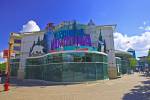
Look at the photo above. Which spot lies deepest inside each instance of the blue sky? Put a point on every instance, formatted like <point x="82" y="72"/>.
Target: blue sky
<point x="129" y="15"/>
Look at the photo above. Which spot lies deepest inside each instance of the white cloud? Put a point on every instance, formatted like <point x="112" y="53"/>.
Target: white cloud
<point x="141" y="43"/>
<point x="1" y="58"/>
<point x="1" y="54"/>
<point x="144" y="22"/>
<point x="145" y="26"/>
<point x="1" y="61"/>
<point x="141" y="27"/>
<point x="30" y="27"/>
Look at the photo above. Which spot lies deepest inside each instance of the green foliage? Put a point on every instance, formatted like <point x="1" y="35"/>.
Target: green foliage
<point x="148" y="59"/>
<point x="149" y="52"/>
<point x="133" y="62"/>
<point x="3" y="66"/>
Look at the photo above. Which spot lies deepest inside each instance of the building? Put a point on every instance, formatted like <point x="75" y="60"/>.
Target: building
<point x="132" y="51"/>
<point x="142" y="62"/>
<point x="69" y="44"/>
<point x="28" y="40"/>
<point x="125" y="63"/>
<point x="15" y="48"/>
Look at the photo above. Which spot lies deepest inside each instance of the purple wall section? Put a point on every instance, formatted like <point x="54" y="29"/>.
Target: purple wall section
<point x="64" y="38"/>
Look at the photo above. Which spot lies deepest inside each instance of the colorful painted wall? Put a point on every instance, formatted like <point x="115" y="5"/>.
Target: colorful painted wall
<point x="73" y="36"/>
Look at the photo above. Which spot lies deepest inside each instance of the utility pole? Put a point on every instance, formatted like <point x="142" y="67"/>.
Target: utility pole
<point x="9" y="55"/>
<point x="6" y="84"/>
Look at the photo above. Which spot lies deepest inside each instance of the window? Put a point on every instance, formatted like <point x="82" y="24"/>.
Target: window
<point x="17" y="41"/>
<point x="17" y="48"/>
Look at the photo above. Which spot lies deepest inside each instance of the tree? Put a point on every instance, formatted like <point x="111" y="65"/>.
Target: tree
<point x="148" y="57"/>
<point x="149" y="52"/>
<point x="3" y="66"/>
<point x="133" y="62"/>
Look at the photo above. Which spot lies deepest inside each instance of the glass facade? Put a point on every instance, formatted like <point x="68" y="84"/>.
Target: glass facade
<point x="118" y="66"/>
<point x="14" y="66"/>
<point x="125" y="66"/>
<point x="74" y="66"/>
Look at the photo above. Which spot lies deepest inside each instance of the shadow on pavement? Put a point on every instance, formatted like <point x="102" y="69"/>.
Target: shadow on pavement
<point x="31" y="83"/>
<point x="140" y="92"/>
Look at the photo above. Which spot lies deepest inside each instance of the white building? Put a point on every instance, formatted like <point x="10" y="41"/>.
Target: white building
<point x="30" y="38"/>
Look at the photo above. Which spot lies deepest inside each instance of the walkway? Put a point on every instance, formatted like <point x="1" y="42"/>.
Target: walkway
<point x="129" y="87"/>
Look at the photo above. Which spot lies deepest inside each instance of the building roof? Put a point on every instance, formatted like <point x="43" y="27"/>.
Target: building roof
<point x="130" y="49"/>
<point x="142" y="57"/>
<point x="70" y="51"/>
<point x="122" y="54"/>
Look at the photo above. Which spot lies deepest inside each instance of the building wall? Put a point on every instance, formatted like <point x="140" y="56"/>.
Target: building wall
<point x="15" y="48"/>
<point x="27" y="42"/>
<point x="33" y="43"/>
<point x="94" y="31"/>
<point x="107" y="33"/>
<point x="132" y="52"/>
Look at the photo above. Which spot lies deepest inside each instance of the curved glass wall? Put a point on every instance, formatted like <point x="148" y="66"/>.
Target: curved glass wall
<point x="74" y="66"/>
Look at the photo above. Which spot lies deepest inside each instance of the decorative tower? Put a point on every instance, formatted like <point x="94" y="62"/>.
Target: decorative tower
<point x="50" y="26"/>
<point x="100" y="42"/>
<point x="91" y="23"/>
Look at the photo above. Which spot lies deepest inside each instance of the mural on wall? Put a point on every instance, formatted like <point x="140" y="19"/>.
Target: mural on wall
<point x="39" y="48"/>
<point x="69" y="36"/>
<point x="101" y="44"/>
<point x="73" y="36"/>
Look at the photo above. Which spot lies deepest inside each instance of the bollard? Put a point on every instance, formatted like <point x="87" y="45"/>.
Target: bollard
<point x="6" y="86"/>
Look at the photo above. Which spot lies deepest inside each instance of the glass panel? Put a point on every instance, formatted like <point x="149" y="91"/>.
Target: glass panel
<point x="75" y="67"/>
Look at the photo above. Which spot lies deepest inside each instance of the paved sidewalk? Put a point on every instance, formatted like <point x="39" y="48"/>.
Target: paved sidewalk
<point x="129" y="87"/>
